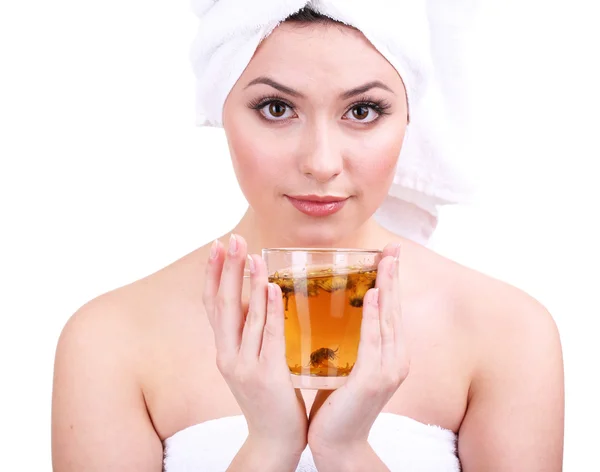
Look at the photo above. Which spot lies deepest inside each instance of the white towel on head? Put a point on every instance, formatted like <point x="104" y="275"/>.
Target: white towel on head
<point x="427" y="174"/>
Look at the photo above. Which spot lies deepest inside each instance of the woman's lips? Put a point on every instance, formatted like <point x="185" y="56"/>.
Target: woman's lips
<point x="317" y="206"/>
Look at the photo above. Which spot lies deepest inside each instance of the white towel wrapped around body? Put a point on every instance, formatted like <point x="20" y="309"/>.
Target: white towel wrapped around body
<point x="427" y="175"/>
<point x="402" y="443"/>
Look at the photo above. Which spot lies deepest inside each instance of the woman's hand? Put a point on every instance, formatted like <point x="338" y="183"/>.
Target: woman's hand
<point x="340" y="421"/>
<point x="251" y="351"/>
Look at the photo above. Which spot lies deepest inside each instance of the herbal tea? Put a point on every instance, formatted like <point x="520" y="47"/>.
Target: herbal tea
<point x="323" y="313"/>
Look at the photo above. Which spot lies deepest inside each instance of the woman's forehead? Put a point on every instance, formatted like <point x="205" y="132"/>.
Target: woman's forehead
<point x="319" y="52"/>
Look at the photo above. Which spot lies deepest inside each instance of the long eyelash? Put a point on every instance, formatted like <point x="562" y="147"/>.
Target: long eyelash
<point x="380" y="106"/>
<point x="261" y="102"/>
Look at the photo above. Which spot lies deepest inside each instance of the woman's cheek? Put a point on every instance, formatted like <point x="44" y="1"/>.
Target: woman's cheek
<point x="258" y="171"/>
<point x="377" y="165"/>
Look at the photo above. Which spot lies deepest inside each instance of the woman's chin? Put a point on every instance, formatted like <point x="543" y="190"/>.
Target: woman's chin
<point x="317" y="236"/>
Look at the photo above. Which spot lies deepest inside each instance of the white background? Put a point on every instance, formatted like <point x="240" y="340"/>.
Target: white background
<point x="104" y="178"/>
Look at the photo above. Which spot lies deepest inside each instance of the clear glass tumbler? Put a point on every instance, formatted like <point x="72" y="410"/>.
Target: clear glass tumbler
<point x="323" y="292"/>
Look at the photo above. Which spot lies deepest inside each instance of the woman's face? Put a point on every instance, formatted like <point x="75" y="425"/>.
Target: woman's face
<point x="315" y="125"/>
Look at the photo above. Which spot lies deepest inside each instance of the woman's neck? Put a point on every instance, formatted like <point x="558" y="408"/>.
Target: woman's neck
<point x="370" y="235"/>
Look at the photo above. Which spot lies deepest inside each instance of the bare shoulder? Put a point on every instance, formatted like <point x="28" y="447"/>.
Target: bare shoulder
<point x="508" y="329"/>
<point x="100" y="418"/>
<point x="502" y="315"/>
<point x="486" y="303"/>
<point x="127" y="324"/>
<point x="515" y="414"/>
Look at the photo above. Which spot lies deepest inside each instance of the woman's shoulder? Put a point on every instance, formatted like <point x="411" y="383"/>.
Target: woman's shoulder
<point x="138" y="318"/>
<point x="493" y="317"/>
<point x="492" y="302"/>
<point x="509" y="341"/>
<point x="113" y="347"/>
<point x="477" y="293"/>
<point x="502" y="322"/>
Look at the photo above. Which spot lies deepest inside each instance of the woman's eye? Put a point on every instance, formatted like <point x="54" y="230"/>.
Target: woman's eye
<point x="362" y="113"/>
<point x="276" y="111"/>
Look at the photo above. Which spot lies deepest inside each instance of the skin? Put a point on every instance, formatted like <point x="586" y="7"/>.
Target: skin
<point x="136" y="365"/>
<point x="319" y="147"/>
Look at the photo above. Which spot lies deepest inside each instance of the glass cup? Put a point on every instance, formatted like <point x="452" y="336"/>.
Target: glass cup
<point x="323" y="292"/>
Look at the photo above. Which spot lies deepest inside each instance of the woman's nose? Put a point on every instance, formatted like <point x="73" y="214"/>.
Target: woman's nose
<point x="321" y="157"/>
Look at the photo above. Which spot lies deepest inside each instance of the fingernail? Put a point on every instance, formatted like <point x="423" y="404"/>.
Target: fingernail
<point x="395" y="266"/>
<point x="271" y="290"/>
<point x="214" y="249"/>
<point x="251" y="264"/>
<point x="233" y="245"/>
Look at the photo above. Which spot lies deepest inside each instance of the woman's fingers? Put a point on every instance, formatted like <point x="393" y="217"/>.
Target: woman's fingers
<point x="380" y="326"/>
<point x="396" y="306"/>
<point x="391" y="250"/>
<point x="257" y="309"/>
<point x="369" y="348"/>
<point x="387" y="282"/>
<point x="229" y="319"/>
<point x="213" y="280"/>
<point x="273" y="340"/>
<point x="393" y="363"/>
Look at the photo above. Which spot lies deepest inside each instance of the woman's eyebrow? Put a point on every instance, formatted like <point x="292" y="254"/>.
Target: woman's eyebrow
<point x="345" y="95"/>
<point x="275" y="85"/>
<point x="365" y="88"/>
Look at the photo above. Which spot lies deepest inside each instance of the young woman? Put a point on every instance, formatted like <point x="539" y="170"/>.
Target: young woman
<point x="163" y="372"/>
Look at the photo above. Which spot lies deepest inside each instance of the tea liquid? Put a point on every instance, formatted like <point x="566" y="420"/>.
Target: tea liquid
<point x="323" y="314"/>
